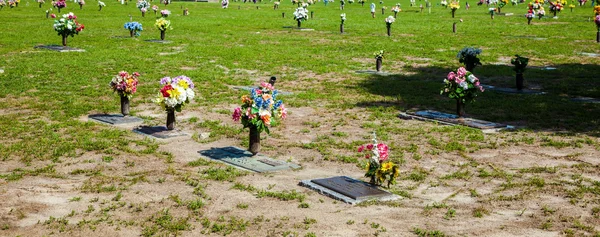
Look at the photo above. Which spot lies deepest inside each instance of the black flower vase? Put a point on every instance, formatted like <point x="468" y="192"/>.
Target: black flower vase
<point x="389" y="29"/>
<point x="254" y="147"/>
<point x="460" y="108"/>
<point x="378" y="62"/>
<point x="299" y="24"/>
<point x="124" y="105"/>
<point x="598" y="37"/>
<point x="520" y="81"/>
<point x="170" y="119"/>
<point x="341" y="28"/>
<point x="162" y="35"/>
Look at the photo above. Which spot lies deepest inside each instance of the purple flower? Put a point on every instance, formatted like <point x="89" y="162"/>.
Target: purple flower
<point x="237" y="114"/>
<point x="165" y="80"/>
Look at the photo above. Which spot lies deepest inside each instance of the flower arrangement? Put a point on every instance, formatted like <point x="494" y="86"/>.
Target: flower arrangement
<point x="166" y="2"/>
<point x="81" y="2"/>
<point x="350" y="1"/>
<point x="343" y="16"/>
<point x="259" y="109"/>
<point x="597" y="21"/>
<point x="2" y="4"/>
<point x="165" y="13"/>
<point x="582" y="2"/>
<point x="492" y="10"/>
<point x="155" y="9"/>
<point x="468" y="56"/>
<point x="379" y="54"/>
<point x="389" y="20"/>
<point x="101" y="4"/>
<point x="396" y="9"/>
<point x="301" y="14"/>
<point x="143" y="5"/>
<point x="502" y="3"/>
<point x="540" y="12"/>
<point x="68" y="25"/>
<point x="125" y="84"/>
<point x="454" y="5"/>
<point x="12" y="3"/>
<point x="535" y="5"/>
<point x="162" y="24"/>
<point x="134" y="28"/>
<point x="444" y="3"/>
<point x="530" y="14"/>
<point x="555" y="7"/>
<point x="462" y="86"/>
<point x="304" y="5"/>
<point x="60" y="4"/>
<point x="520" y="63"/>
<point x="175" y="93"/>
<point x="379" y="168"/>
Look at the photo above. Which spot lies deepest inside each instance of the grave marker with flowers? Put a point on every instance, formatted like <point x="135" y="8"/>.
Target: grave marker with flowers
<point x="60" y="4"/>
<point x="125" y="85"/>
<point x="530" y="14"/>
<point x="468" y="56"/>
<point x="165" y="13"/>
<point x="454" y="5"/>
<point x="555" y="7"/>
<point x="143" y="5"/>
<point x="597" y="21"/>
<point x="388" y="23"/>
<point x="81" y="3"/>
<point x="258" y="111"/>
<point x="101" y="5"/>
<point x="540" y="13"/>
<point x="343" y="18"/>
<point x="134" y="28"/>
<point x="174" y="94"/>
<point x="501" y="4"/>
<point x="300" y="15"/>
<point x="41" y="2"/>
<point x="3" y="3"/>
<point x="379" y="168"/>
<point x="520" y="65"/>
<point x="462" y="86"/>
<point x="378" y="59"/>
<point x="162" y="25"/>
<point x="67" y="26"/>
<point x="396" y="9"/>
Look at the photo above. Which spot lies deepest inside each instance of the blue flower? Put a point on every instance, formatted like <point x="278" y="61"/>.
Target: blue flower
<point x="258" y="101"/>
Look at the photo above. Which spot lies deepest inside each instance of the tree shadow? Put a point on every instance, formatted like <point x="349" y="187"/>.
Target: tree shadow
<point x="419" y="89"/>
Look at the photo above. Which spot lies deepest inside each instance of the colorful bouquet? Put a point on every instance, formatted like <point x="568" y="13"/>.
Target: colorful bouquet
<point x="60" y="4"/>
<point x="155" y="9"/>
<point x="143" y="5"/>
<point x="134" y="27"/>
<point x="343" y="16"/>
<point x="454" y="5"/>
<point x="597" y="10"/>
<point x="555" y="7"/>
<point x="125" y="84"/>
<point x="468" y="56"/>
<point x="502" y="3"/>
<point x="389" y="20"/>
<point x="597" y="21"/>
<point x="396" y="9"/>
<point x="301" y="14"/>
<point x="492" y="10"/>
<point x="260" y="108"/>
<point x="2" y="4"/>
<point x="81" y="2"/>
<point x="530" y="14"/>
<point x="540" y="12"/>
<point x="68" y="25"/>
<point x="462" y="86"/>
<point x="378" y="54"/>
<point x="379" y="168"/>
<point x="535" y="5"/>
<point x="175" y="93"/>
<point x="12" y="3"/>
<point x="165" y="13"/>
<point x="166" y="2"/>
<point x="162" y="24"/>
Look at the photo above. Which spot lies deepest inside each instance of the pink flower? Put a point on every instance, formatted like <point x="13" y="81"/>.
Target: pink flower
<point x="136" y="74"/>
<point x="383" y="151"/>
<point x="267" y="86"/>
<point x="361" y="148"/>
<point x="283" y="111"/>
<point x="250" y="114"/>
<point x="476" y="83"/>
<point x="53" y="15"/>
<point x="370" y="146"/>
<point x="461" y="72"/>
<point x="123" y="74"/>
<point x="481" y="88"/>
<point x="451" y="76"/>
<point x="237" y="114"/>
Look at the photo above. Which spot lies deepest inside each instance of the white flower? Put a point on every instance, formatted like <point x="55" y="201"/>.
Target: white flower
<point x="343" y="15"/>
<point x="464" y="85"/>
<point x="263" y="112"/>
<point x="472" y="78"/>
<point x="390" y="19"/>
<point x="190" y="93"/>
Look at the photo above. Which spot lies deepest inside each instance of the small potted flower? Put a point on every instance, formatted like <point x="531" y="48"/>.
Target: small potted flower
<point x="462" y="86"/>
<point x="134" y="28"/>
<point x="162" y="25"/>
<point x="396" y="9"/>
<point x="60" y="4"/>
<point x="530" y="14"/>
<point x="300" y="15"/>
<point x="81" y="3"/>
<point x="343" y="16"/>
<point x="101" y="5"/>
<point x="468" y="56"/>
<point x="166" y="2"/>
<point x="555" y="7"/>
<point x="126" y="85"/>
<point x="67" y="26"/>
<point x="379" y="168"/>
<point x="540" y="12"/>
<point x="378" y="59"/>
<point x="520" y="65"/>
<point x="258" y="111"/>
<point x="388" y="23"/>
<point x="492" y="11"/>
<point x="165" y="13"/>
<point x="174" y="94"/>
<point x="155" y="9"/>
<point x="454" y="5"/>
<point x="41" y="2"/>
<point x="143" y="5"/>
<point x="597" y="21"/>
<point x="276" y="5"/>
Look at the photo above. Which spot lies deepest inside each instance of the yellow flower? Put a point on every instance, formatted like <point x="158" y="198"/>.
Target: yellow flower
<point x="368" y="166"/>
<point x="174" y="93"/>
<point x="387" y="166"/>
<point x="183" y="84"/>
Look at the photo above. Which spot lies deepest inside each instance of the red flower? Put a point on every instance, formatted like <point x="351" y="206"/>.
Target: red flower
<point x="80" y="27"/>
<point x="370" y="146"/>
<point x="165" y="90"/>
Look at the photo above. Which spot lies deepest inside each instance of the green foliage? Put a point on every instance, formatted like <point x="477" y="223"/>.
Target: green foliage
<point x="520" y="63"/>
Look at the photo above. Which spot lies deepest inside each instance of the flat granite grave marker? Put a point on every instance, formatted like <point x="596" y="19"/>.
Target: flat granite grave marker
<point x="249" y="88"/>
<point x="585" y="99"/>
<point x="451" y="119"/>
<point x="158" y="132"/>
<point x="373" y="72"/>
<point x="59" y="48"/>
<point x="513" y="90"/>
<point x="115" y="119"/>
<point x="241" y="158"/>
<point x="158" y="41"/>
<point x="348" y="190"/>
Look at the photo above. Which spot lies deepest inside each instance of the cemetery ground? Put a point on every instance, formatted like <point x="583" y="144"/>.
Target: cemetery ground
<point x="64" y="175"/>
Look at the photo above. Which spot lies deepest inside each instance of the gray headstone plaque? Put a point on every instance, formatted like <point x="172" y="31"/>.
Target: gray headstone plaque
<point x="513" y="90"/>
<point x="59" y="48"/>
<point x="373" y="72"/>
<point x="451" y="119"/>
<point x="248" y="88"/>
<point x="585" y="99"/>
<point x="159" y="41"/>
<point x="158" y="132"/>
<point x="244" y="159"/>
<point x="115" y="119"/>
<point x="348" y="190"/>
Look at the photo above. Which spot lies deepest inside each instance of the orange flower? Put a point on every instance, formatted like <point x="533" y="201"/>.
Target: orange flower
<point x="266" y="96"/>
<point x="246" y="99"/>
<point x="266" y="119"/>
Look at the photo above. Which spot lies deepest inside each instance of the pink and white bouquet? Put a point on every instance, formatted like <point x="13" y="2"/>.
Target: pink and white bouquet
<point x="597" y="21"/>
<point x="155" y="9"/>
<point x="124" y="83"/>
<point x="2" y="3"/>
<point x="462" y="86"/>
<point x="260" y="107"/>
<point x="379" y="168"/>
<point x="165" y="13"/>
<point x="540" y="12"/>
<point x="530" y="14"/>
<point x="555" y="6"/>
<point x="175" y="93"/>
<point x="143" y="5"/>
<point x="396" y="9"/>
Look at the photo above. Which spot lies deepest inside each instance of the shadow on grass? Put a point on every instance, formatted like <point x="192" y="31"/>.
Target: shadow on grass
<point x="420" y="89"/>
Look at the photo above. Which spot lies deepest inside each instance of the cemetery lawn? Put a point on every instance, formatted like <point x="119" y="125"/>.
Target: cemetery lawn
<point x="62" y="175"/>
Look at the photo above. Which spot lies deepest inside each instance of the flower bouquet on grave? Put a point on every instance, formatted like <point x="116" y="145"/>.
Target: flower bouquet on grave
<point x="555" y="7"/>
<point x="444" y="3"/>
<point x="134" y="28"/>
<point x="143" y="5"/>
<point x="81" y="3"/>
<point x="530" y="14"/>
<point x="258" y="111"/>
<point x="12" y="3"/>
<point x="383" y="10"/>
<point x="514" y="2"/>
<point x="162" y="25"/>
<point x="535" y="5"/>
<point x="492" y="11"/>
<point x="454" y="5"/>
<point x="520" y="65"/>
<point x="155" y="9"/>
<point x="571" y="6"/>
<point x="378" y="59"/>
<point x="165" y="13"/>
<point x="166" y="2"/>
<point x="396" y="9"/>
<point x="388" y="23"/>
<point x="362" y="2"/>
<point x="379" y="169"/>
<point x="174" y="94"/>
<point x="41" y="2"/>
<point x="3" y="3"/>
<point x="60" y="4"/>
<point x="597" y="10"/>
<point x="310" y="2"/>
<point x="468" y="56"/>
<point x="501" y="4"/>
<point x="581" y="2"/>
<point x="276" y="5"/>
<point x="67" y="26"/>
<point x="462" y="86"/>
<point x="540" y="13"/>
<point x="101" y="5"/>
<point x="597" y="21"/>
<point x="304" y="5"/>
<point x="125" y="85"/>
<point x="343" y="19"/>
<point x="300" y="15"/>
